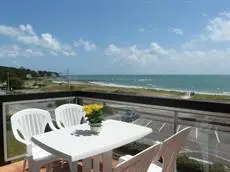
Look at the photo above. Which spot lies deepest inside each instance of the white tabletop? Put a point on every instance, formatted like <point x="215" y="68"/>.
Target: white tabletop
<point x="84" y="144"/>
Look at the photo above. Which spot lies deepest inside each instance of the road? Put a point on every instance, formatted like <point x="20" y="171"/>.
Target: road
<point x="206" y="144"/>
<point x="205" y="141"/>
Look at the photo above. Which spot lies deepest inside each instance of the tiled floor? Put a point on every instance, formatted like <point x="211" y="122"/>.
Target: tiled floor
<point x="17" y="167"/>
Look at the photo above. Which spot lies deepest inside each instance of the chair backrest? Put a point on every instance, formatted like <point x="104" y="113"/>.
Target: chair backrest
<point x="141" y="161"/>
<point x="69" y="115"/>
<point x="29" y="122"/>
<point x="171" y="147"/>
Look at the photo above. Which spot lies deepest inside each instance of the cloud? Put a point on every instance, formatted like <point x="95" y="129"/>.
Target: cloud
<point x="159" y="59"/>
<point x="199" y="41"/>
<point x="204" y="14"/>
<point x="27" y="28"/>
<point x="177" y="31"/>
<point x="142" y="29"/>
<point x="88" y="46"/>
<point x="218" y="29"/>
<point x="16" y="51"/>
<point x="225" y="13"/>
<point x="216" y="32"/>
<point x="26" y="34"/>
<point x="133" y="54"/>
<point x="208" y="52"/>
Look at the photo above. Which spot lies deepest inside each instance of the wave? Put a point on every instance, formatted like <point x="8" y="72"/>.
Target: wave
<point x="133" y="86"/>
<point x="144" y="80"/>
<point x="114" y="85"/>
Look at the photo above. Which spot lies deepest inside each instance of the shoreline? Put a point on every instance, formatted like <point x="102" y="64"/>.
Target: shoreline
<point x="159" y="92"/>
<point x="100" y="83"/>
<point x="61" y="85"/>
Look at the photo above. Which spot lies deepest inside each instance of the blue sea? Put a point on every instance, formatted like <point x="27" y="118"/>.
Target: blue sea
<point x="217" y="84"/>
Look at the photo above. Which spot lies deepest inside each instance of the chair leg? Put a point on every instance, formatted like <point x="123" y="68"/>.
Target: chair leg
<point x="87" y="165"/>
<point x="30" y="165"/>
<point x="49" y="167"/>
<point x="36" y="168"/>
<point x="73" y="166"/>
<point x="24" y="165"/>
<point x="62" y="161"/>
<point x="107" y="161"/>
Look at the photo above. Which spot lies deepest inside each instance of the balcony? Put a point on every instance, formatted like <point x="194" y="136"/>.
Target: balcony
<point x="207" y="145"/>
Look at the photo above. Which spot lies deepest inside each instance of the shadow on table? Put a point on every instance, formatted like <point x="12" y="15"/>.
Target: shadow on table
<point x="83" y="133"/>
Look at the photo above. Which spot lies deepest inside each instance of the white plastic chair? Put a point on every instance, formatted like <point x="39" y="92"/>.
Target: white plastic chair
<point x="27" y="123"/>
<point x="139" y="162"/>
<point x="169" y="151"/>
<point x="69" y="115"/>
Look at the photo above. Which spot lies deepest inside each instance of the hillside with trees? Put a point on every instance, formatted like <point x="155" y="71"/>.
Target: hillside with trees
<point x="17" y="76"/>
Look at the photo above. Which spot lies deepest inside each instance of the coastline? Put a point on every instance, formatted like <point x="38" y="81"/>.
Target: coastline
<point x="57" y="84"/>
<point x="124" y="89"/>
<point x="158" y="89"/>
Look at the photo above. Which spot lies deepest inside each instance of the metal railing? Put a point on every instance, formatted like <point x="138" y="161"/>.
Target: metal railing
<point x="175" y="110"/>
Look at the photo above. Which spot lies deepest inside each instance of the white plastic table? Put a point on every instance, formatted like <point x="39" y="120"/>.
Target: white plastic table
<point x="77" y="143"/>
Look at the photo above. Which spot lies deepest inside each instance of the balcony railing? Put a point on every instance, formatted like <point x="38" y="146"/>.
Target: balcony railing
<point x="207" y="143"/>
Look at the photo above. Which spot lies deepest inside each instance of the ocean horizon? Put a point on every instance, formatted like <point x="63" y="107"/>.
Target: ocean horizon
<point x="216" y="84"/>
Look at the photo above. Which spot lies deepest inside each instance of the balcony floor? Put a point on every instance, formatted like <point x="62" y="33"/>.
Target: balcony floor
<point x="17" y="167"/>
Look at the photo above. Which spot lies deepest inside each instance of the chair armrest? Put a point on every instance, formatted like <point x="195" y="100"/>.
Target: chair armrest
<point x="28" y="143"/>
<point x="124" y="158"/>
<point x="158" y="142"/>
<point x="52" y="127"/>
<point x="29" y="149"/>
<point x="18" y="138"/>
<point x="84" y="120"/>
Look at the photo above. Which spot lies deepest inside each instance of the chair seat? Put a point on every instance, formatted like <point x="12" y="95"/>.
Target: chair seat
<point x="124" y="158"/>
<point x="40" y="154"/>
<point x="154" y="168"/>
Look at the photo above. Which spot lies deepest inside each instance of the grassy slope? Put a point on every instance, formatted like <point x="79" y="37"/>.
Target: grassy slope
<point x="217" y="98"/>
<point x="14" y="148"/>
<point x="136" y="91"/>
<point x="92" y="87"/>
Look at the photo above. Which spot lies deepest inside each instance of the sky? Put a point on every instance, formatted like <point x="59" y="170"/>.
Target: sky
<point x="117" y="37"/>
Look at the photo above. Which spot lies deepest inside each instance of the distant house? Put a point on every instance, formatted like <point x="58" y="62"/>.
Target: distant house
<point x="54" y="75"/>
<point x="3" y="85"/>
<point x="29" y="76"/>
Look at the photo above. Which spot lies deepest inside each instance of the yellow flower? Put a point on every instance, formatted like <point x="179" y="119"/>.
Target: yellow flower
<point x="92" y="108"/>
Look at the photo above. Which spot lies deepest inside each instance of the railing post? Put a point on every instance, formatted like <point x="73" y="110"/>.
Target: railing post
<point x="175" y="121"/>
<point x="75" y="100"/>
<point x="2" y="160"/>
<point x="175" y="131"/>
<point x="79" y="101"/>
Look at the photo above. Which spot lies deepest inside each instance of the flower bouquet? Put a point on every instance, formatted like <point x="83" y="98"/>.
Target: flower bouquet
<point x="94" y="115"/>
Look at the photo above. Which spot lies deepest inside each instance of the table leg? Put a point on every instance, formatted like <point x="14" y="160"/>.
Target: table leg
<point x="87" y="165"/>
<point x="107" y="161"/>
<point x="36" y="168"/>
<point x="49" y="167"/>
<point x="73" y="166"/>
<point x="30" y="164"/>
<point x="24" y="165"/>
<point x="96" y="163"/>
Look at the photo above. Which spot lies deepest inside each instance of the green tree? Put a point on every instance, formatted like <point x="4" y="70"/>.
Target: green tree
<point x="217" y="167"/>
<point x="184" y="164"/>
<point x="16" y="83"/>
